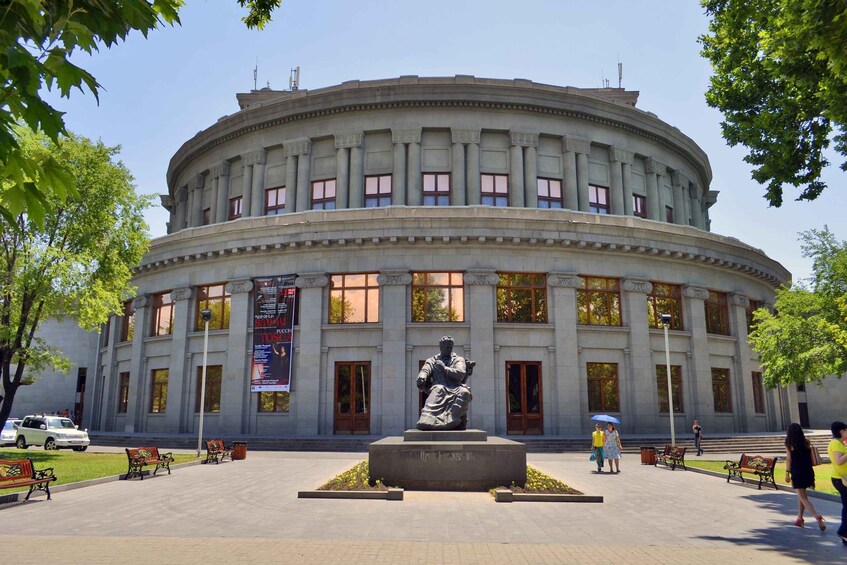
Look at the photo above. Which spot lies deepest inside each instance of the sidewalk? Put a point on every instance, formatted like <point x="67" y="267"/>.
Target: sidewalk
<point x="248" y="511"/>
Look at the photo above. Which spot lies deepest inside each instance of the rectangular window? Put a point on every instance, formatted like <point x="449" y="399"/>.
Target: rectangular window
<point x="277" y="401"/>
<point x="162" y="314"/>
<point x="275" y="201"/>
<point x="603" y="387"/>
<point x="639" y="205"/>
<point x="438" y="297"/>
<point x="669" y="214"/>
<point x="662" y="386"/>
<point x="207" y="217"/>
<point x="158" y="391"/>
<point x="720" y="390"/>
<point x="235" y="207"/>
<point x="550" y="193"/>
<point x="323" y="194"/>
<point x="212" y="401"/>
<point x="598" y="199"/>
<point x="752" y="306"/>
<point x="665" y="299"/>
<point x="378" y="191"/>
<point x="436" y="189"/>
<point x="128" y="322"/>
<point x="758" y="393"/>
<point x="522" y="297"/>
<point x="123" y="392"/>
<point x="599" y="301"/>
<point x="717" y="313"/>
<point x="353" y="299"/>
<point x="494" y="190"/>
<point x="217" y="299"/>
<point x="104" y="333"/>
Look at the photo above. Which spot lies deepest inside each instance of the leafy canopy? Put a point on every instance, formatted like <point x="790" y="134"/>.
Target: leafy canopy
<point x="780" y="73"/>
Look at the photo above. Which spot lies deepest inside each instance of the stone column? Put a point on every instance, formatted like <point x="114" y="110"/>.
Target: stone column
<point x="253" y="199"/>
<point x="696" y="206"/>
<point x="138" y="379"/>
<point x="357" y="178"/>
<point x="531" y="176"/>
<point x="641" y="381"/>
<point x="413" y="180"/>
<point x="246" y="189"/>
<point x="626" y="172"/>
<point x="616" y="196"/>
<point x="342" y="177"/>
<point x="290" y="183"/>
<point x="196" y="217"/>
<point x="569" y="390"/>
<point x="465" y="170"/>
<point x="655" y="207"/>
<point x="220" y="208"/>
<point x="582" y="148"/>
<point x="103" y="414"/>
<point x="487" y="379"/>
<point x="517" y="177"/>
<point x="235" y="385"/>
<point x="457" y="177"/>
<point x="678" y="181"/>
<point x="308" y="372"/>
<point x="396" y="376"/>
<point x="298" y="194"/>
<point x="180" y="410"/>
<point x="569" y="186"/>
<point x="473" y="176"/>
<point x="621" y="164"/>
<point x="345" y="167"/>
<point x="181" y="205"/>
<point x="700" y="378"/>
<point x="742" y="381"/>
<point x="400" y="137"/>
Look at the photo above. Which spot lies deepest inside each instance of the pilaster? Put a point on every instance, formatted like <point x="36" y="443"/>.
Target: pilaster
<point x="678" y="181"/>
<point x="298" y="197"/>
<point x="196" y="215"/>
<point x="457" y="175"/>
<point x="138" y="380"/>
<point x="570" y="391"/>
<point x="743" y="408"/>
<point x="342" y="177"/>
<point x="308" y="374"/>
<point x="641" y="395"/>
<point x="654" y="203"/>
<point x="488" y="406"/>
<point x="291" y="184"/>
<point x="702" y="398"/>
<point x="356" y="199"/>
<point x="235" y="384"/>
<point x="397" y="378"/>
<point x="531" y="176"/>
<point x="180" y="409"/>
<point x="254" y="191"/>
<point x="473" y="177"/>
<point x="220" y="176"/>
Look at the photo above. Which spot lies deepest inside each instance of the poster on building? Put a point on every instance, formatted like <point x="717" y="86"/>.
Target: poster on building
<point x="273" y="331"/>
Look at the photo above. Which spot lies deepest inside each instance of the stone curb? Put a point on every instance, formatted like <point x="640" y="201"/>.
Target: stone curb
<point x="784" y="488"/>
<point x="506" y="495"/>
<point x="390" y="494"/>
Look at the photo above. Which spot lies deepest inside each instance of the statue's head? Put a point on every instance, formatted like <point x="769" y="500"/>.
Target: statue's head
<point x="446" y="345"/>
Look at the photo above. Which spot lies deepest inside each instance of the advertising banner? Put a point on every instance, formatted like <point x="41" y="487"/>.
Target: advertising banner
<point x="273" y="330"/>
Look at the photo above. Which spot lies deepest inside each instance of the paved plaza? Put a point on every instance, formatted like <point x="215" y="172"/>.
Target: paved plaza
<point x="248" y="511"/>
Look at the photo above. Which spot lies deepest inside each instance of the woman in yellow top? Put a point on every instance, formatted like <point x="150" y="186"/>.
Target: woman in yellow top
<point x="838" y="456"/>
<point x="598" y="438"/>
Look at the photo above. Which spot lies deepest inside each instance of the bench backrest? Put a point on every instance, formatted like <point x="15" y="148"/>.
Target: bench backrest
<point x="677" y="451"/>
<point x="667" y="450"/>
<point x="213" y="445"/>
<point x="15" y="470"/>
<point x="756" y="461"/>
<point x="144" y="452"/>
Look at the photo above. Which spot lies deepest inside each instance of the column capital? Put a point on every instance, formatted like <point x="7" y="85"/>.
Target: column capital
<point x="637" y="285"/>
<point x="199" y="181"/>
<point x="739" y="300"/>
<point x="576" y="144"/>
<point x="182" y="194"/>
<point x="219" y="170"/>
<point x="481" y="277"/>
<point x="622" y="155"/>
<point x="524" y="139"/>
<point x="695" y="292"/>
<point x="410" y="135"/>
<point x="695" y="192"/>
<point x="348" y="139"/>
<point x="254" y="158"/>
<point x="140" y="302"/>
<point x="679" y="179"/>
<point x="311" y="280"/>
<point x="653" y="166"/>
<point x="183" y="293"/>
<point x="394" y="278"/>
<point x="564" y="280"/>
<point x="299" y="146"/>
<point x="465" y="135"/>
<point x="239" y="286"/>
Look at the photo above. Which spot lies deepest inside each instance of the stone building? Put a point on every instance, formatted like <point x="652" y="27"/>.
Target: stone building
<point x="545" y="228"/>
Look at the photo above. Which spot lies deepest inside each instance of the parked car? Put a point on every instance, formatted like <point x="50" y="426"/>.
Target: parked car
<point x="53" y="432"/>
<point x="7" y="435"/>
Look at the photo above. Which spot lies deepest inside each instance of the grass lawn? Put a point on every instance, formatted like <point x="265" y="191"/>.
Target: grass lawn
<point x="823" y="473"/>
<point x="71" y="466"/>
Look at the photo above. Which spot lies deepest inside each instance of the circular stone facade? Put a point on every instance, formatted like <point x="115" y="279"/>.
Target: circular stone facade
<point x="545" y="229"/>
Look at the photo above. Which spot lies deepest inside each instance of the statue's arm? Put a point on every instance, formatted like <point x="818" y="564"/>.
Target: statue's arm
<point x="424" y="374"/>
<point x="457" y="370"/>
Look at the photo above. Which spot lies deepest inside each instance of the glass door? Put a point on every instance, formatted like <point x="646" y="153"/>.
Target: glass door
<point x="352" y="398"/>
<point x="523" y="390"/>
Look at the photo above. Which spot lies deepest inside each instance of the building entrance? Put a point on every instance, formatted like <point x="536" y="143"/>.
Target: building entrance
<point x="523" y="390"/>
<point x="352" y="398"/>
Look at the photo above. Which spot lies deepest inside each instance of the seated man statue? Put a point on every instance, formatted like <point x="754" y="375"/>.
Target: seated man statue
<point x="442" y="378"/>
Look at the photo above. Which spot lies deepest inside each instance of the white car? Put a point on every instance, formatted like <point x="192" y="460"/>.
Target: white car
<point x="7" y="435"/>
<point x="53" y="432"/>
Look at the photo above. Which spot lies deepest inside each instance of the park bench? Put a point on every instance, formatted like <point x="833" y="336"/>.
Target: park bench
<point x="21" y="473"/>
<point x="762" y="467"/>
<point x="216" y="451"/>
<point x="140" y="457"/>
<point x="672" y="456"/>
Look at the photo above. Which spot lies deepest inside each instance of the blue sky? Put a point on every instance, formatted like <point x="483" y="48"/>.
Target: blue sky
<point x="157" y="93"/>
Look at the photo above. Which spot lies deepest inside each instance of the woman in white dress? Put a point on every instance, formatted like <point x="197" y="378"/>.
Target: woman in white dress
<point x="612" y="448"/>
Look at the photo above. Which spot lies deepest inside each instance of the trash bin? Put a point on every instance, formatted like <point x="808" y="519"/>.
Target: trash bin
<point x="648" y="455"/>
<point x="239" y="450"/>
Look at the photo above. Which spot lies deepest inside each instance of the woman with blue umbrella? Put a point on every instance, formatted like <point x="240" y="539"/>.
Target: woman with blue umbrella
<point x="612" y="445"/>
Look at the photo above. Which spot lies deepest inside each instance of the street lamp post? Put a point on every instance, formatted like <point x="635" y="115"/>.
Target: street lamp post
<point x="666" y="322"/>
<point x="206" y="315"/>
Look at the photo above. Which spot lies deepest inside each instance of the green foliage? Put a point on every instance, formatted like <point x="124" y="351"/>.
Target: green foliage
<point x="823" y="473"/>
<point x="340" y="309"/>
<point x="780" y="73"/>
<point x="538" y="482"/>
<point x="806" y="339"/>
<point x="355" y="478"/>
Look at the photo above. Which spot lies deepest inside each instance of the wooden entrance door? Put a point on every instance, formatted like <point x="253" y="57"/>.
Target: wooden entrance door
<point x="523" y="398"/>
<point x="352" y="398"/>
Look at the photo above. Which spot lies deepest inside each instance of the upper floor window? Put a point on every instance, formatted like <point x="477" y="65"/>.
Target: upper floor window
<point x="104" y="333"/>
<point x="216" y="299"/>
<point x="549" y="193"/>
<point x="353" y="299"/>
<point x="598" y="199"/>
<point x="639" y="205"/>
<point x="275" y="201"/>
<point x="603" y="392"/>
<point x="599" y="301"/>
<point x="123" y="392"/>
<point x="212" y="398"/>
<point x="207" y="217"/>
<point x="669" y="214"/>
<point x="522" y="297"/>
<point x="378" y="191"/>
<point x="128" y="322"/>
<point x="323" y="194"/>
<point x="162" y="314"/>
<point x="158" y="390"/>
<point x="235" y="207"/>
<point x="438" y="297"/>
<point x="436" y="189"/>
<point x="494" y="190"/>
<point x="752" y="306"/>
<point x="662" y="388"/>
<point x="717" y="313"/>
<point x="721" y="391"/>
<point x="665" y="299"/>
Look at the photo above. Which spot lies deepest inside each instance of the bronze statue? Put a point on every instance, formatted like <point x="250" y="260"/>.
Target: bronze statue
<point x="443" y="379"/>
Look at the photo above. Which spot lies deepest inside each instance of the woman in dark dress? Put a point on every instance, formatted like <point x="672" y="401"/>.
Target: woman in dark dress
<point x="800" y="473"/>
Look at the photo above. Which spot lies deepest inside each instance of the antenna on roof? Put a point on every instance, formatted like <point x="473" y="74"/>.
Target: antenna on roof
<point x="294" y="80"/>
<point x="255" y="73"/>
<point x="620" y="73"/>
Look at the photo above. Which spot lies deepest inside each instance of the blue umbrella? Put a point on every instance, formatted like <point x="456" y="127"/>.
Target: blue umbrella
<point x="605" y="418"/>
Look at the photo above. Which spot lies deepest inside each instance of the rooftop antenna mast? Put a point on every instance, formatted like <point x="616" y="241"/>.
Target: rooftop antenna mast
<point x="255" y="74"/>
<point x="294" y="80"/>
<point x="620" y="74"/>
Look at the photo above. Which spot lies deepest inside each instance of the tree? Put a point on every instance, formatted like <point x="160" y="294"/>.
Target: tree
<point x="37" y="40"/>
<point x="806" y="339"/>
<point x="780" y="71"/>
<point x="77" y="263"/>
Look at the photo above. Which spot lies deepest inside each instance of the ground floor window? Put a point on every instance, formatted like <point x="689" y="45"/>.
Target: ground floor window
<point x="123" y="392"/>
<point x="276" y="401"/>
<point x="212" y="400"/>
<point x="662" y="387"/>
<point x="158" y="391"/>
<point x="603" y="394"/>
<point x="721" y="391"/>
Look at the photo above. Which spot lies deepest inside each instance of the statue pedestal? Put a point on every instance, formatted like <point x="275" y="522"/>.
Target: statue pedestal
<point x="466" y="460"/>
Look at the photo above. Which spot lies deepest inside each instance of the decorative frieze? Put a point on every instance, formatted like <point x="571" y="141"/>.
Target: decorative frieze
<point x="739" y="300"/>
<point x="564" y="280"/>
<point x="239" y="287"/>
<point x="183" y="293"/>
<point x="348" y="139"/>
<point x="300" y="146"/>
<point x="254" y="158"/>
<point x="695" y="292"/>
<point x="412" y="135"/>
<point x="311" y="280"/>
<point x="653" y="166"/>
<point x="465" y="135"/>
<point x="141" y="302"/>
<point x="481" y="277"/>
<point x="219" y="170"/>
<point x="524" y="139"/>
<point x="637" y="285"/>
<point x="576" y="145"/>
<point x="394" y="278"/>
<point x="621" y="155"/>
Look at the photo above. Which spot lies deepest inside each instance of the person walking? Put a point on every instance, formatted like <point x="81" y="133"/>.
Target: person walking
<point x="838" y="457"/>
<point x="598" y="439"/>
<point x="800" y="473"/>
<point x="698" y="435"/>
<point x="612" y="447"/>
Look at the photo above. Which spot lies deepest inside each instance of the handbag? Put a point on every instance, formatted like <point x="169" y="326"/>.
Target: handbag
<point x="816" y="456"/>
<point x="593" y="457"/>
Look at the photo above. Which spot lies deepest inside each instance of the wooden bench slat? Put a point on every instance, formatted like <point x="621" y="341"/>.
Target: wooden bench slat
<point x="22" y="473"/>
<point x="140" y="457"/>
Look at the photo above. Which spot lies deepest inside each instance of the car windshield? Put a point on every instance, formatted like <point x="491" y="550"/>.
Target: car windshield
<point x="9" y="425"/>
<point x="59" y="423"/>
